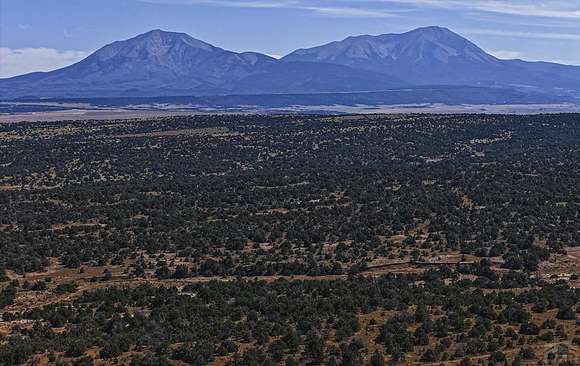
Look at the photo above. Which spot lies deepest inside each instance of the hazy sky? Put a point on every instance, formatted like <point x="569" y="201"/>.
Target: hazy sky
<point x="46" y="34"/>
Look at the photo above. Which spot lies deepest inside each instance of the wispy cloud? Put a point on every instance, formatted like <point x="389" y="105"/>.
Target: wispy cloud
<point x="348" y="12"/>
<point x="18" y="61"/>
<point x="557" y="9"/>
<point x="506" y="55"/>
<point x="532" y="35"/>
<point x="318" y="8"/>
<point x="550" y="9"/>
<point x="511" y="55"/>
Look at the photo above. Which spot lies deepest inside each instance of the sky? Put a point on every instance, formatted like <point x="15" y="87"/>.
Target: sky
<point x="42" y="35"/>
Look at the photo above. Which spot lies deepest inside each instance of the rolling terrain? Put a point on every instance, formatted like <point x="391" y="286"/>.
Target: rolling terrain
<point x="294" y="240"/>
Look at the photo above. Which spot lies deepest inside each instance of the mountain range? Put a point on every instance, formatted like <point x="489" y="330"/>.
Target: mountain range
<point x="159" y="63"/>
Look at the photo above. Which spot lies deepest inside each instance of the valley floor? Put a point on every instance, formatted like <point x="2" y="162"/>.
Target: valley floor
<point x="54" y="112"/>
<point x="360" y="239"/>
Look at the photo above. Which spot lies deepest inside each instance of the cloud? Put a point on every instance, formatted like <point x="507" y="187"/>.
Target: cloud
<point x="532" y="35"/>
<point x="533" y="8"/>
<point x="348" y="12"/>
<point x="318" y="8"/>
<point x="511" y="55"/>
<point x="507" y="55"/>
<point x="558" y="9"/>
<point x="18" y="61"/>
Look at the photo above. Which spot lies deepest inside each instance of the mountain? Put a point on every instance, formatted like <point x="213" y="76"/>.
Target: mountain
<point x="159" y="63"/>
<point x="430" y="55"/>
<point x="154" y="63"/>
<point x="437" y="56"/>
<point x="314" y="77"/>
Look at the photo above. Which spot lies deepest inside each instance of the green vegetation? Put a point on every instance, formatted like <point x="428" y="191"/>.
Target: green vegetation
<point x="262" y="240"/>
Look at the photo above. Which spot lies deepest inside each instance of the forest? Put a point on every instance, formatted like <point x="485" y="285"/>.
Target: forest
<point x="291" y="239"/>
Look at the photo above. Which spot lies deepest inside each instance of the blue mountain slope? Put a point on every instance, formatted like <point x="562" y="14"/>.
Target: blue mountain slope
<point x="437" y="56"/>
<point x="310" y="77"/>
<point x="159" y="63"/>
<point x="154" y="63"/>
